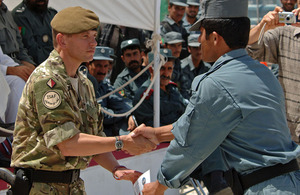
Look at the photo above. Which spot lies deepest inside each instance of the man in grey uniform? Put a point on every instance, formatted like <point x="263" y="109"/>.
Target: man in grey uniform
<point x="131" y="55"/>
<point x="10" y="39"/>
<point x="192" y="66"/>
<point x="191" y="12"/>
<point x="238" y="105"/>
<point x="33" y="18"/>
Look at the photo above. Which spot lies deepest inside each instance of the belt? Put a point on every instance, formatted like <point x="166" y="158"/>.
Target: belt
<point x="239" y="183"/>
<point x="42" y="176"/>
<point x="267" y="173"/>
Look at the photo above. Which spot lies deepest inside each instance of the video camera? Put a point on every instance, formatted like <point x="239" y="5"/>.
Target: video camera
<point x="287" y="17"/>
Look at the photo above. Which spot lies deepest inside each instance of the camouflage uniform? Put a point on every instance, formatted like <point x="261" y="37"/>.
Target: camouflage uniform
<point x="51" y="111"/>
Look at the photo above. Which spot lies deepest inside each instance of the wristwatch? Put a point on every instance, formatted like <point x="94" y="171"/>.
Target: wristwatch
<point x="119" y="143"/>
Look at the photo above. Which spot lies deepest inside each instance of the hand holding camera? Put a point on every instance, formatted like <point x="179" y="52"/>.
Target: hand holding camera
<point x="287" y="17"/>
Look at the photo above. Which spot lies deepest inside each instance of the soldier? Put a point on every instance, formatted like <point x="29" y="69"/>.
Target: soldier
<point x="192" y="66"/>
<point x="33" y="18"/>
<point x="131" y="55"/>
<point x="174" y="41"/>
<point x="172" y="104"/>
<point x="238" y="105"/>
<point x="114" y="103"/>
<point x="191" y="12"/>
<point x="59" y="125"/>
<point x="173" y="22"/>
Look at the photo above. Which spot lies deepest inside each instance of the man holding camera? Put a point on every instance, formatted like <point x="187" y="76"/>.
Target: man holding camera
<point x="280" y="44"/>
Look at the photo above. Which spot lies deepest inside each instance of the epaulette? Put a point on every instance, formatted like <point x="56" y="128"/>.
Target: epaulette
<point x="184" y="62"/>
<point x="172" y="83"/>
<point x="20" y="9"/>
<point x="148" y="95"/>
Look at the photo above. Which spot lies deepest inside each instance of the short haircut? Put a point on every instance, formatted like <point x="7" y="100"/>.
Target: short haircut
<point x="235" y="31"/>
<point x="131" y="47"/>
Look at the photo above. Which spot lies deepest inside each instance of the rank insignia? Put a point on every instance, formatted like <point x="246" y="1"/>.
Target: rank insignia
<point x="51" y="83"/>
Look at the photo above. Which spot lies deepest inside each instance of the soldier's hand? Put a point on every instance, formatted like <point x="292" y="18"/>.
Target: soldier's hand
<point x="137" y="145"/>
<point x="21" y="71"/>
<point x="128" y="174"/>
<point x="154" y="188"/>
<point x="147" y="132"/>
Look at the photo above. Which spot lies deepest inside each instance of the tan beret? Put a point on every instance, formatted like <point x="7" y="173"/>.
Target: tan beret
<point x="74" y="20"/>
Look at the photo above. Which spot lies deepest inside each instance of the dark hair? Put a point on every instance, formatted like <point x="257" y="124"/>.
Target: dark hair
<point x="131" y="47"/>
<point x="235" y="31"/>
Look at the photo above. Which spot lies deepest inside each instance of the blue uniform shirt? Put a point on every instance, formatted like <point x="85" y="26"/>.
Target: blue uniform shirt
<point x="240" y="107"/>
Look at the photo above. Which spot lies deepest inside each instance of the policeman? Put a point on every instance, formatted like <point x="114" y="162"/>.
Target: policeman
<point x="238" y="105"/>
<point x="173" y="22"/>
<point x="59" y="125"/>
<point x="114" y="103"/>
<point x="33" y="18"/>
<point x="172" y="104"/>
<point x="131" y="55"/>
<point x="173" y="41"/>
<point x="191" y="12"/>
<point x="192" y="66"/>
<point x="11" y="40"/>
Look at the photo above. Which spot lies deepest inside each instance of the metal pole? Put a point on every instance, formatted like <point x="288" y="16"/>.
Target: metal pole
<point x="156" y="103"/>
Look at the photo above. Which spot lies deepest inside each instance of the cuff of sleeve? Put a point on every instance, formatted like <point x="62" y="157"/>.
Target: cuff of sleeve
<point x="163" y="180"/>
<point x="3" y="69"/>
<point x="60" y="133"/>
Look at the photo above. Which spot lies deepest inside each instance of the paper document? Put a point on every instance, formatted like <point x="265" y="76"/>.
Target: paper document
<point x="139" y="184"/>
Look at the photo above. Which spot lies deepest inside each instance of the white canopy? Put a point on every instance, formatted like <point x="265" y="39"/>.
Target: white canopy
<point x="132" y="13"/>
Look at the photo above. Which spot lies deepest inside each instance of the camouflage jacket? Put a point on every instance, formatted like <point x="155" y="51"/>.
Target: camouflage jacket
<point x="50" y="111"/>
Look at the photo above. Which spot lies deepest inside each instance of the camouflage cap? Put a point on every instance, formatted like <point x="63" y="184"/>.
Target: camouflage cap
<point x="73" y="20"/>
<point x="193" y="2"/>
<point x="173" y="37"/>
<point x="130" y="42"/>
<point x="102" y="53"/>
<point x="179" y="2"/>
<point x="221" y="9"/>
<point x="193" y="40"/>
<point x="165" y="52"/>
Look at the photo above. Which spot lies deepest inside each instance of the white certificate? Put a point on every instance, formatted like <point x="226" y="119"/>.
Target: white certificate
<point x="139" y="184"/>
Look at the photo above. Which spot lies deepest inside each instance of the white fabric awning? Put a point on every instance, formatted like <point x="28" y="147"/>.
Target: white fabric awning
<point x="132" y="13"/>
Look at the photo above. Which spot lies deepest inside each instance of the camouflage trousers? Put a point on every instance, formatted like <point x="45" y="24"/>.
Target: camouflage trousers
<point x="75" y="188"/>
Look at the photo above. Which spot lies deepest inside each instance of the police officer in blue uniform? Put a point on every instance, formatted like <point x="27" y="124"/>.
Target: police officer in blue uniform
<point x="174" y="41"/>
<point x="114" y="103"/>
<point x="172" y="104"/>
<point x="33" y="18"/>
<point x="191" y="12"/>
<point x="131" y="55"/>
<point x="173" y="22"/>
<point x="238" y="105"/>
<point x="192" y="66"/>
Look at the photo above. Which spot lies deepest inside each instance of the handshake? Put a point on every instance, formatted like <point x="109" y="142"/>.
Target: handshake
<point x="144" y="139"/>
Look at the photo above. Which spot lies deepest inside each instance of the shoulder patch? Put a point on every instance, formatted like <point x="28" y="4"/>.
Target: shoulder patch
<point x="172" y="83"/>
<point x="51" y="99"/>
<point x="148" y="95"/>
<point x="51" y="83"/>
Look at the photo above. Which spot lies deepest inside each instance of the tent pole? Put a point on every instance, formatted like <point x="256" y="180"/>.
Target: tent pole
<point x="156" y="107"/>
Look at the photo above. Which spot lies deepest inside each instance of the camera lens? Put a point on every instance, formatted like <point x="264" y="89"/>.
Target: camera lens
<point x="287" y="18"/>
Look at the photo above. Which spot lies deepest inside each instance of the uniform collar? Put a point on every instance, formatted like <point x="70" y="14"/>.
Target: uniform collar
<point x="3" y="7"/>
<point x="229" y="56"/>
<point x="171" y="21"/>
